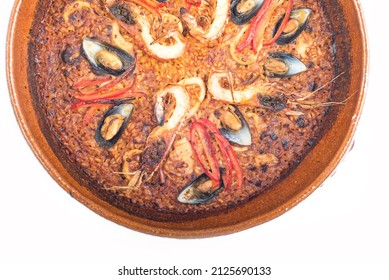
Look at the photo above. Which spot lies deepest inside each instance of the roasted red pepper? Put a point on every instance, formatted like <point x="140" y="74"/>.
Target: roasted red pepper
<point x="104" y="101"/>
<point x="191" y="3"/>
<point x="206" y="130"/>
<point x="224" y="144"/>
<point x="91" y="82"/>
<point x="204" y="152"/>
<point x="156" y="4"/>
<point x="86" y="83"/>
<point x="256" y="21"/>
<point x="255" y="34"/>
<point x="105" y="95"/>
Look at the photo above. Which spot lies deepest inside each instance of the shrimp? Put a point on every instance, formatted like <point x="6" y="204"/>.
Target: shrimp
<point x="119" y="41"/>
<point x="140" y="29"/>
<point x="263" y="95"/>
<point x="154" y="47"/>
<point x="162" y="137"/>
<point x="256" y="94"/>
<point x="201" y="95"/>
<point x="217" y="26"/>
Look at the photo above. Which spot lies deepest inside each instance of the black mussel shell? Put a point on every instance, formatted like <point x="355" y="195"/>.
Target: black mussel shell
<point x="301" y="16"/>
<point x="124" y="112"/>
<point x="191" y="194"/>
<point x="281" y="65"/>
<point x="241" y="136"/>
<point x="251" y="8"/>
<point x="99" y="53"/>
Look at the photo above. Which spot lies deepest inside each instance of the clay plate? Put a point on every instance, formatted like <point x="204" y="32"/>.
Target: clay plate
<point x="336" y="138"/>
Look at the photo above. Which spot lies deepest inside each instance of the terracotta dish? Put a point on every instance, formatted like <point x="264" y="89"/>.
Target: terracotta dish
<point x="218" y="194"/>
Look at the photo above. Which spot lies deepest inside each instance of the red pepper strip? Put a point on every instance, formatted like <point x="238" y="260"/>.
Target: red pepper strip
<point x="151" y="3"/>
<point x="100" y="92"/>
<point x="190" y="3"/>
<point x="122" y="94"/>
<point x="259" y="33"/>
<point x="118" y="79"/>
<point x="195" y="3"/>
<point x="156" y="4"/>
<point x="205" y="148"/>
<point x="228" y="166"/>
<point x="282" y="26"/>
<point x="91" y="82"/>
<point x="249" y="36"/>
<point x="161" y="5"/>
<point x="148" y="7"/>
<point x="223" y="142"/>
<point x="234" y="160"/>
<point x="113" y="101"/>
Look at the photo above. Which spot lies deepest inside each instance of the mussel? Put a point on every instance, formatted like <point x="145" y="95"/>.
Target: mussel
<point x="242" y="11"/>
<point x="235" y="127"/>
<point x="297" y="23"/>
<point x="113" y="124"/>
<point x="199" y="191"/>
<point x="106" y="58"/>
<point x="281" y="65"/>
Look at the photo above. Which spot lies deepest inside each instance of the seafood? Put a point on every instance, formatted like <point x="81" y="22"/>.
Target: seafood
<point x="235" y="127"/>
<point x="155" y="47"/>
<point x="113" y="124"/>
<point x="195" y="102"/>
<point x="282" y="65"/>
<point x="138" y="25"/>
<point x="119" y="41"/>
<point x="247" y="96"/>
<point x="106" y="58"/>
<point x="242" y="11"/>
<point x="297" y="23"/>
<point x="195" y="105"/>
<point x="217" y="26"/>
<point x="199" y="191"/>
<point x="161" y="138"/>
<point x="257" y="94"/>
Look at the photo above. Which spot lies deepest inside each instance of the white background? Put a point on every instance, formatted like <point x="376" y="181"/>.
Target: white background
<point x="339" y="232"/>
